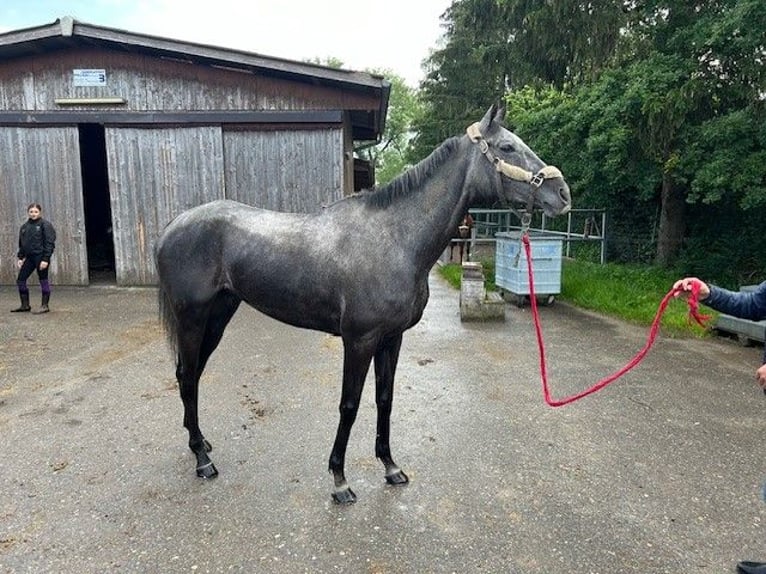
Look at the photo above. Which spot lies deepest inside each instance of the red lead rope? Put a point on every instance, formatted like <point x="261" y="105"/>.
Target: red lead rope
<point x="693" y="302"/>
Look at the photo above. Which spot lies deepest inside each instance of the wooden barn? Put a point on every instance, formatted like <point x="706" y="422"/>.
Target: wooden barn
<point x="115" y="133"/>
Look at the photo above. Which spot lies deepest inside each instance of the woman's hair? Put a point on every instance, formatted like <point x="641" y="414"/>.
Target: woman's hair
<point x="37" y="205"/>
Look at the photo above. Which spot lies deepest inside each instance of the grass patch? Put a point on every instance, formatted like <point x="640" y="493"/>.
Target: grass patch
<point x="628" y="292"/>
<point x="453" y="273"/>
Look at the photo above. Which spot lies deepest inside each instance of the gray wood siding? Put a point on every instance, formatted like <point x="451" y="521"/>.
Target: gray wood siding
<point x="149" y="84"/>
<point x="284" y="170"/>
<point x="155" y="174"/>
<point x="42" y="165"/>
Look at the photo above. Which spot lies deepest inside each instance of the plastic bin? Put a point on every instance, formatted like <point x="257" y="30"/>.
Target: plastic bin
<point x="511" y="267"/>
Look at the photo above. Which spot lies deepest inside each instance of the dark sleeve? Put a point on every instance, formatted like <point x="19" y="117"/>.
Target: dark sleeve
<point x="21" y="254"/>
<point x="743" y="304"/>
<point x="49" y="240"/>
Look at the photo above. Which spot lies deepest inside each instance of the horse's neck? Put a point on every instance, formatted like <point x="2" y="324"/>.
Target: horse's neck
<point x="433" y="212"/>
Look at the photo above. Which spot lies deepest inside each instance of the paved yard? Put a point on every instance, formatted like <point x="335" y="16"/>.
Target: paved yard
<point x="659" y="473"/>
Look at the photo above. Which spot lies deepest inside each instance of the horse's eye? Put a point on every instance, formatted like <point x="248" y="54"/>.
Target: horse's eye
<point x="506" y="148"/>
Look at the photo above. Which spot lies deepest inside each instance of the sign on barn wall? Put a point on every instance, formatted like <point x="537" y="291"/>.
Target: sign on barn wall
<point x="89" y="77"/>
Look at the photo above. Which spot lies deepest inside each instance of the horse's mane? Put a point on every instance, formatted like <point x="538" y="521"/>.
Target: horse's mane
<point x="413" y="178"/>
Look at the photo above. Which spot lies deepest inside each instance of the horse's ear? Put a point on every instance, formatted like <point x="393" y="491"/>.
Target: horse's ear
<point x="495" y="114"/>
<point x="486" y="121"/>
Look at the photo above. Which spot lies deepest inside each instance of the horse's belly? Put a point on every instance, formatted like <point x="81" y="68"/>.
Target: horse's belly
<point x="298" y="309"/>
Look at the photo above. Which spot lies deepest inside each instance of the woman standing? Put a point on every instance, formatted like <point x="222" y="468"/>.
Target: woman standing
<point x="37" y="240"/>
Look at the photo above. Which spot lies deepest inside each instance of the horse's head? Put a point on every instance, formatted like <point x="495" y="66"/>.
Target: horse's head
<point x="523" y="178"/>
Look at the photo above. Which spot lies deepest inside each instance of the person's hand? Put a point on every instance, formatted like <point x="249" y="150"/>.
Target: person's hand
<point x="760" y="376"/>
<point x="43" y="265"/>
<point x="19" y="263"/>
<point x="685" y="286"/>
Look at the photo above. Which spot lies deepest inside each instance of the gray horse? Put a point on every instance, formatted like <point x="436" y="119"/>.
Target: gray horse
<point x="366" y="281"/>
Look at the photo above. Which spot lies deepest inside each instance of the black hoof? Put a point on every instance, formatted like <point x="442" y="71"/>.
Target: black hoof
<point x="346" y="496"/>
<point x="207" y="471"/>
<point x="397" y="479"/>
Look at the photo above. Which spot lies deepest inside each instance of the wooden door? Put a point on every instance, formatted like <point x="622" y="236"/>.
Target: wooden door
<point x="155" y="174"/>
<point x="42" y="165"/>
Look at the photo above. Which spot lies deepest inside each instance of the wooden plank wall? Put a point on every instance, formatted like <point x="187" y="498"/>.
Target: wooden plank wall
<point x="155" y="174"/>
<point x="284" y="170"/>
<point x="42" y="165"/>
<point x="151" y="84"/>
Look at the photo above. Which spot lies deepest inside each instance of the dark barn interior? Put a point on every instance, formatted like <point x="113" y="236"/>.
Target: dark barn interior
<point x="98" y="210"/>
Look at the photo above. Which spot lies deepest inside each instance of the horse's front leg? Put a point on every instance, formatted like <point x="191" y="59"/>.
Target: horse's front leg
<point x="356" y="362"/>
<point x="386" y="359"/>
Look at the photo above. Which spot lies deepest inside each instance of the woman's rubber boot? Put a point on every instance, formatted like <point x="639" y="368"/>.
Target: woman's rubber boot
<point x="44" y="305"/>
<point x="25" y="308"/>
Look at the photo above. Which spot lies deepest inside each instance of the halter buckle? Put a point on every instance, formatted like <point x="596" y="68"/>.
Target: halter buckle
<point x="537" y="180"/>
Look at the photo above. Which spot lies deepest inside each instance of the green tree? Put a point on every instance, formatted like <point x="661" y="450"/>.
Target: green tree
<point x="390" y="156"/>
<point x="698" y="68"/>
<point x="678" y="123"/>
<point x="464" y="76"/>
<point x="492" y="46"/>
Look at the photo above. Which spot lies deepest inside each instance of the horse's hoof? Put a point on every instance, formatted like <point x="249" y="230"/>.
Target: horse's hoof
<point x="345" y="496"/>
<point x="397" y="478"/>
<point x="207" y="471"/>
<point x="208" y="446"/>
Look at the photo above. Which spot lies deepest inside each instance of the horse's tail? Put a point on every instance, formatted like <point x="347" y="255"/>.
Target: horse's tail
<point x="168" y="318"/>
<point x="165" y="307"/>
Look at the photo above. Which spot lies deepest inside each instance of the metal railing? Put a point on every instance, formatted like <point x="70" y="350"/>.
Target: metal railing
<point x="582" y="225"/>
<point x="593" y="229"/>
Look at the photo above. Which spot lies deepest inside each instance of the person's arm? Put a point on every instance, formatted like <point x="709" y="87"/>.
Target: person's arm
<point x="743" y="304"/>
<point x="20" y="254"/>
<point x="49" y="241"/>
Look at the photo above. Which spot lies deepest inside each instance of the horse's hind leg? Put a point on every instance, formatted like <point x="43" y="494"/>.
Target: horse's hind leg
<point x="188" y="374"/>
<point x="386" y="359"/>
<point x="223" y="308"/>
<point x="198" y="336"/>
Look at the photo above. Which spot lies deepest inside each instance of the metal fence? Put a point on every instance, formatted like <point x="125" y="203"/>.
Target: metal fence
<point x="578" y="227"/>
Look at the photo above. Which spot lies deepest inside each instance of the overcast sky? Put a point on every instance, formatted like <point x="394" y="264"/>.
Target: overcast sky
<point x="364" y="34"/>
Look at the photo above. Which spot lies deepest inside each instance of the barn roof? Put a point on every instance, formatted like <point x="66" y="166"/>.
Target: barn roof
<point x="67" y="32"/>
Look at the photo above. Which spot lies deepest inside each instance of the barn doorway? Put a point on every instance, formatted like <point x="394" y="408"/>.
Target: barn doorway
<point x="96" y="203"/>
